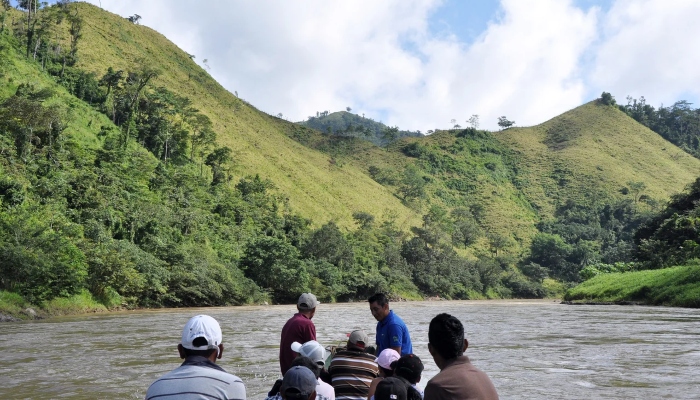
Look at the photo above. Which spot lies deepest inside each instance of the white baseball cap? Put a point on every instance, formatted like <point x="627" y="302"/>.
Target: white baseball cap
<point x="311" y="349"/>
<point x="201" y="326"/>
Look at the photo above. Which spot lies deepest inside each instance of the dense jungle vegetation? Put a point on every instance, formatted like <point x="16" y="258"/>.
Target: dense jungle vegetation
<point x="115" y="186"/>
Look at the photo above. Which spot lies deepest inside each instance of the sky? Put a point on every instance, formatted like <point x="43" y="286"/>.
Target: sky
<point x="419" y="64"/>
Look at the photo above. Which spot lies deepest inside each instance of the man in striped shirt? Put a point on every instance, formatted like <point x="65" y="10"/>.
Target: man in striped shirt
<point x="199" y="377"/>
<point x="353" y="370"/>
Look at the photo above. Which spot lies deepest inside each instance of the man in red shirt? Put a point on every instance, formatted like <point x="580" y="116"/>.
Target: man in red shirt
<point x="299" y="328"/>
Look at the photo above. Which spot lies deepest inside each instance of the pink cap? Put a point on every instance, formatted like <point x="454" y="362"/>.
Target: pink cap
<point x="386" y="357"/>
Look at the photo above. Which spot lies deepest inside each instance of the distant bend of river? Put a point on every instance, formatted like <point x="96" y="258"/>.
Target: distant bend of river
<point x="530" y="349"/>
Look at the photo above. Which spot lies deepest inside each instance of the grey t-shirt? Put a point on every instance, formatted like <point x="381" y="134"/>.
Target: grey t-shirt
<point x="197" y="378"/>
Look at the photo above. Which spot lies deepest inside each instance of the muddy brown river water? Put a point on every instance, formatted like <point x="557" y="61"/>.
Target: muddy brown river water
<point x="531" y="349"/>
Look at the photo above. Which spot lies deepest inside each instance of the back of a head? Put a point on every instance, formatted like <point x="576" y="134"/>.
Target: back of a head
<point x="358" y="340"/>
<point x="409" y="367"/>
<point x="307" y="302"/>
<point x="391" y="389"/>
<point x="312" y="349"/>
<point x="298" y="383"/>
<point x="308" y="363"/>
<point x="379" y="298"/>
<point x="201" y="336"/>
<point x="387" y="361"/>
<point x="446" y="335"/>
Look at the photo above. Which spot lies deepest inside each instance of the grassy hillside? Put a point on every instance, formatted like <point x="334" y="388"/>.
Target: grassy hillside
<point x="589" y="152"/>
<point x="315" y="186"/>
<point x="593" y="151"/>
<point x="677" y="286"/>
<point x="129" y="213"/>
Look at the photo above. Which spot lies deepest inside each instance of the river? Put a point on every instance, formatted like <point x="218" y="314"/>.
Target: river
<point x="530" y="349"/>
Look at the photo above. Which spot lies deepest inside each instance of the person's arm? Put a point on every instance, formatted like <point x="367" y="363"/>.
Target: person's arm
<point x="430" y="392"/>
<point x="395" y="337"/>
<point x="312" y="332"/>
<point x="373" y="387"/>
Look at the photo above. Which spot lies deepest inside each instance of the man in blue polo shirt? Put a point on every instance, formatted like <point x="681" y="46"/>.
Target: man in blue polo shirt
<point x="392" y="332"/>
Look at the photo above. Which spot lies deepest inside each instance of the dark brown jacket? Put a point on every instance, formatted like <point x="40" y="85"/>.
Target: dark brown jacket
<point x="460" y="380"/>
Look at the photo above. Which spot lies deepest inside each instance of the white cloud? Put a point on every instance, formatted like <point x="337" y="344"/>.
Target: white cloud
<point x="537" y="60"/>
<point x="648" y="50"/>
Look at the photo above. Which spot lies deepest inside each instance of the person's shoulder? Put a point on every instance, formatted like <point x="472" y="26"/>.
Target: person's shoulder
<point x="397" y="319"/>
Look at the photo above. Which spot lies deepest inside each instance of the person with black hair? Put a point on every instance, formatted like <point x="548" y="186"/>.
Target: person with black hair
<point x="458" y="378"/>
<point x="392" y="332"/>
<point x="386" y="362"/>
<point x="410" y="368"/>
<point x="199" y="376"/>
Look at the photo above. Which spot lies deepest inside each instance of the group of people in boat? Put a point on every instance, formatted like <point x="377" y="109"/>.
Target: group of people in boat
<point x="361" y="370"/>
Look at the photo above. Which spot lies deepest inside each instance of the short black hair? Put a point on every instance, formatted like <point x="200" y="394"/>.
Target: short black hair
<point x="308" y="363"/>
<point x="388" y="373"/>
<point x="379" y="298"/>
<point x="446" y="335"/>
<point x="200" y="341"/>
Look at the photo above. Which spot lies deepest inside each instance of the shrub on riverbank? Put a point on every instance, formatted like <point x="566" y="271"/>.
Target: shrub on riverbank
<point x="677" y="286"/>
<point x="15" y="307"/>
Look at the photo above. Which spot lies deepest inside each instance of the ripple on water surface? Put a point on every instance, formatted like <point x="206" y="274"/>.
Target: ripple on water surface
<point x="531" y="349"/>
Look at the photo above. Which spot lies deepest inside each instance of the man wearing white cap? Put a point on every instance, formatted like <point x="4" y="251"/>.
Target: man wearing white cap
<point x="299" y="328"/>
<point x="199" y="377"/>
<point x="313" y="350"/>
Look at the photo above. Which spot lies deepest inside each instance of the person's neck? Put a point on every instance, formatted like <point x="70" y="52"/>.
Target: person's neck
<point x="442" y="363"/>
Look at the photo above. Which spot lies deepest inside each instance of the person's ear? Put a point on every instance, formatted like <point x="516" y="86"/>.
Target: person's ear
<point x="466" y="345"/>
<point x="221" y="351"/>
<point x="430" y="349"/>
<point x="312" y="395"/>
<point x="181" y="350"/>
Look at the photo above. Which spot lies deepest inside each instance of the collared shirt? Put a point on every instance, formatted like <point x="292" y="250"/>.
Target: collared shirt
<point x="300" y="329"/>
<point x="392" y="332"/>
<point x="352" y="373"/>
<point x="459" y="379"/>
<point x="197" y="378"/>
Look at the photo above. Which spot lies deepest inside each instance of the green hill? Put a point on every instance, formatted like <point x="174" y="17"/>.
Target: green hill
<point x="315" y="187"/>
<point x="103" y="192"/>
<point x="588" y="151"/>
<point x="352" y="125"/>
<point x="593" y="151"/>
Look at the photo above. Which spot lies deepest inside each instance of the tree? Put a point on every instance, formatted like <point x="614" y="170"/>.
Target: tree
<point x="134" y="18"/>
<point x="607" y="99"/>
<point x="412" y="183"/>
<point x="135" y="83"/>
<point x="636" y="188"/>
<point x="473" y="121"/>
<point x="348" y="109"/>
<point x="389" y="134"/>
<point x="111" y="80"/>
<point x="504" y="123"/>
<point x="5" y="4"/>
<point x="217" y="161"/>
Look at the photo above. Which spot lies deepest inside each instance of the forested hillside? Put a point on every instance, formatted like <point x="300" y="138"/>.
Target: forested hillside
<point x="344" y="123"/>
<point x="129" y="175"/>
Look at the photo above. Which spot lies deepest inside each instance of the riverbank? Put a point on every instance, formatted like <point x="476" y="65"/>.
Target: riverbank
<point x="677" y="287"/>
<point x="13" y="307"/>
